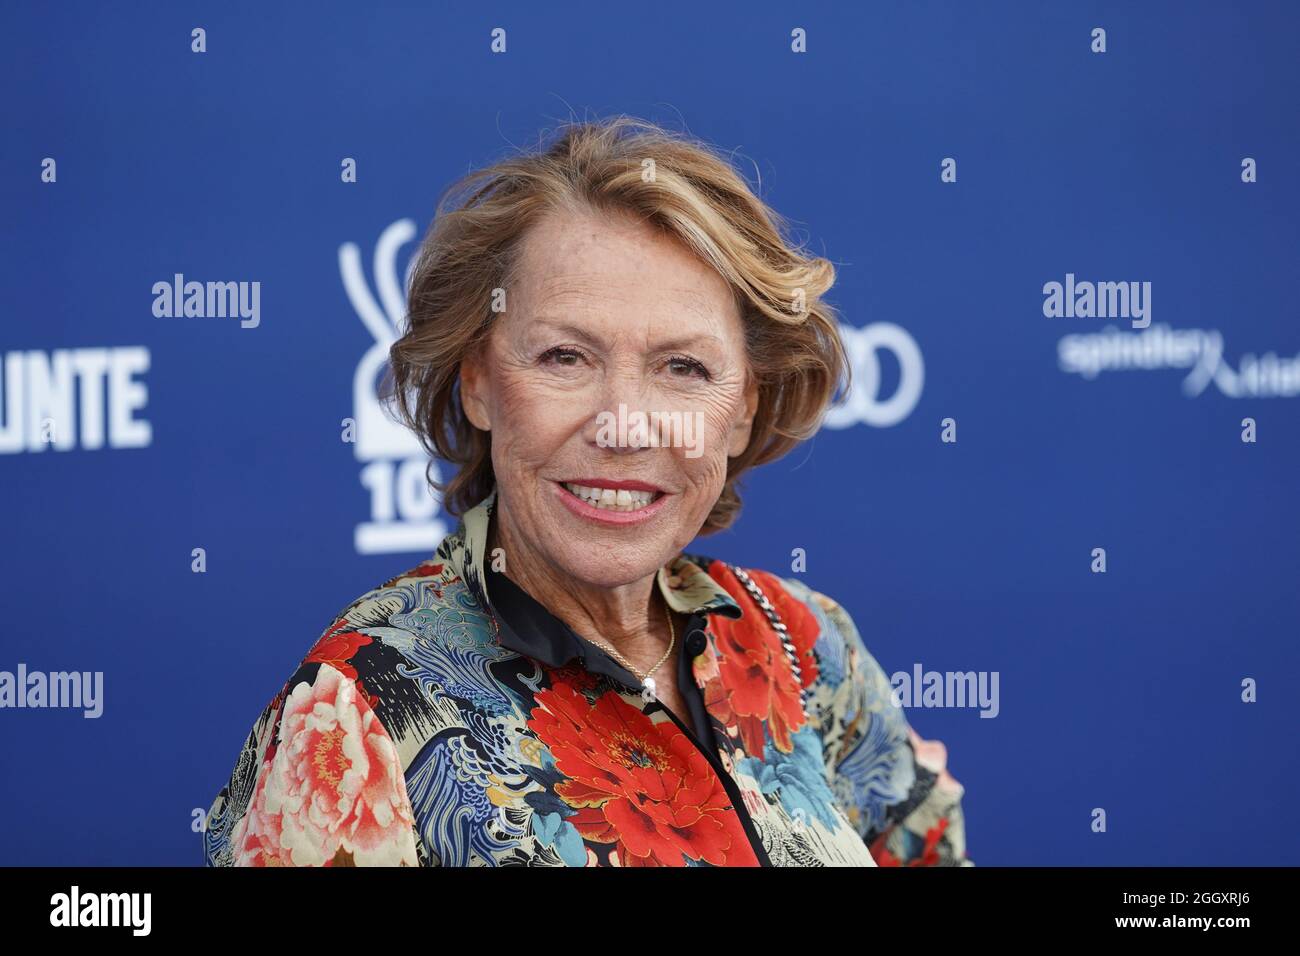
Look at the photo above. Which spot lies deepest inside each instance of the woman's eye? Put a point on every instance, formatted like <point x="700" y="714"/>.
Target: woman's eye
<point x="687" y="367"/>
<point x="565" y="357"/>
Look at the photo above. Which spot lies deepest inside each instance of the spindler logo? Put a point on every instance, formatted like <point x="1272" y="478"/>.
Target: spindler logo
<point x="102" y="909"/>
<point x="1198" y="351"/>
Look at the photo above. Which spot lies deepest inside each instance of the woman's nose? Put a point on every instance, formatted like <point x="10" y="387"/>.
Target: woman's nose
<point x="624" y="420"/>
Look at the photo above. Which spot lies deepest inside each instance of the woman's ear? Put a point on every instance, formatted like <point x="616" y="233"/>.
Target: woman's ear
<point x="740" y="432"/>
<point x="473" y="389"/>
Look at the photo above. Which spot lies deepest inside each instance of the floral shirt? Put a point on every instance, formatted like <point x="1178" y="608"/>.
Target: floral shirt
<point x="434" y="725"/>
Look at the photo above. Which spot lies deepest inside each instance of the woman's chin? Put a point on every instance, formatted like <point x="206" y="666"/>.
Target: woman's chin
<point x="607" y="568"/>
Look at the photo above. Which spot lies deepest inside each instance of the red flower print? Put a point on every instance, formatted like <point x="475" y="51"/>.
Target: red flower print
<point x="333" y="794"/>
<point x="424" y="570"/>
<point x="337" y="649"/>
<point x="576" y="676"/>
<point x="641" y="786"/>
<point x="755" y="682"/>
<point x="929" y="853"/>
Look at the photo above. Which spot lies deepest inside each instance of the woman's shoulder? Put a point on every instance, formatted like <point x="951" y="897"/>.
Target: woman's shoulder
<point x="371" y="684"/>
<point x="399" y="641"/>
<point x="371" y="637"/>
<point x="791" y="585"/>
<point x="429" y="586"/>
<point x="818" y="624"/>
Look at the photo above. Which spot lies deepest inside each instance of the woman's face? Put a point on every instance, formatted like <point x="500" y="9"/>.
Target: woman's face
<point x="619" y="362"/>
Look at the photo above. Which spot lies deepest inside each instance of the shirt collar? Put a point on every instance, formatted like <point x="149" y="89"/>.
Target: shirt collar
<point x="697" y="592"/>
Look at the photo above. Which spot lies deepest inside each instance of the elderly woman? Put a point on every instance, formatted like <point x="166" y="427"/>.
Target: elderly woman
<point x="559" y="684"/>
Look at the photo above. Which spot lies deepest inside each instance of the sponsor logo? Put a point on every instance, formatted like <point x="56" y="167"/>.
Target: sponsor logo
<point x="863" y="403"/>
<point x="404" y="511"/>
<point x="73" y="398"/>
<point x="1200" y="351"/>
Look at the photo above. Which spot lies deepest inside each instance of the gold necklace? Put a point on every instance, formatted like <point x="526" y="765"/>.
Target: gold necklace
<point x="647" y="682"/>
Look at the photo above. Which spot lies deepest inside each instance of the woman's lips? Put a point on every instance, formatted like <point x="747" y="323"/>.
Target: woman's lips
<point x="616" y="484"/>
<point x="607" y="516"/>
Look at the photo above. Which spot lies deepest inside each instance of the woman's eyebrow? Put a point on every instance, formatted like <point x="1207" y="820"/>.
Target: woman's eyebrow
<point x="689" y="341"/>
<point x="586" y="337"/>
<point x="567" y="328"/>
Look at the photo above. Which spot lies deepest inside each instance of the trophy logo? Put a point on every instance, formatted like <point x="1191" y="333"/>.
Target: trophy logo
<point x="404" y="510"/>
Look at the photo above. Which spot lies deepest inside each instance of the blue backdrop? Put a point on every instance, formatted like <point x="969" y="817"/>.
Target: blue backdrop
<point x="1119" y="690"/>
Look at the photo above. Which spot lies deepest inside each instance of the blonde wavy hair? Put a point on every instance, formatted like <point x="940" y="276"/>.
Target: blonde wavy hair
<point x="791" y="333"/>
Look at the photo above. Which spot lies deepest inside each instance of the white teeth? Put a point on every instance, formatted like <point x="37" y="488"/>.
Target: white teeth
<point x="607" y="499"/>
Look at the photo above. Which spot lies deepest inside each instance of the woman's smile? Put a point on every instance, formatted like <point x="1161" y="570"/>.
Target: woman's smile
<point x="611" y="502"/>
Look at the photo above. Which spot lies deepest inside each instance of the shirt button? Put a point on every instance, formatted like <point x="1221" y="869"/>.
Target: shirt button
<point x="695" y="643"/>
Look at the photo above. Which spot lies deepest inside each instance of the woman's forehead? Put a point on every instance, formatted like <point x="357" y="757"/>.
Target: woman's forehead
<point x="568" y="253"/>
<point x="603" y="335"/>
